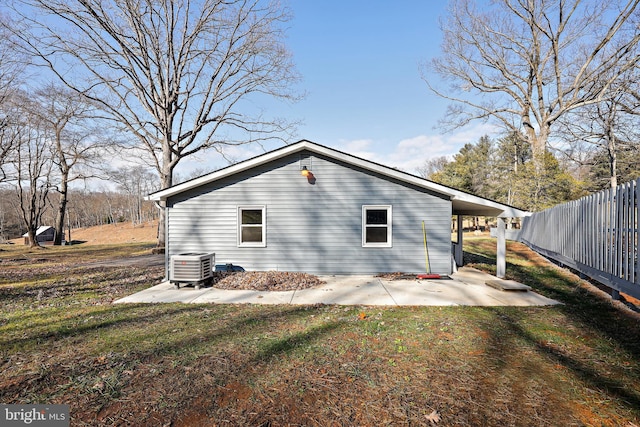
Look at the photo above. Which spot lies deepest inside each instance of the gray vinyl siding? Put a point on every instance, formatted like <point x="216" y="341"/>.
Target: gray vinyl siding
<point x="314" y="228"/>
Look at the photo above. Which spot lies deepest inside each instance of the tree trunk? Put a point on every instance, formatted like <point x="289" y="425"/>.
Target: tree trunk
<point x="538" y="148"/>
<point x="62" y="209"/>
<point x="612" y="148"/>
<point x="32" y="236"/>
<point x="613" y="162"/>
<point x="31" y="239"/>
<point x="166" y="178"/>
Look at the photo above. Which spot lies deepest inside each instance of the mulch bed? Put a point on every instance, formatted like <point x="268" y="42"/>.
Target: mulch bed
<point x="265" y="280"/>
<point x="397" y="275"/>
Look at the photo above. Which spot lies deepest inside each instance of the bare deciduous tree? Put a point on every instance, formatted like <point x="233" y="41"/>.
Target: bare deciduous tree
<point x="135" y="182"/>
<point x="10" y="69"/>
<point x="8" y="138"/>
<point x="32" y="164"/>
<point x="176" y="74"/>
<point x="526" y="63"/>
<point x="605" y="130"/>
<point x="432" y="166"/>
<point x="601" y="128"/>
<point x="77" y="144"/>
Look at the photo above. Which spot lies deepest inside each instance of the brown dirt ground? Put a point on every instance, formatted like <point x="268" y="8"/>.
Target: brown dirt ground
<point x="122" y="232"/>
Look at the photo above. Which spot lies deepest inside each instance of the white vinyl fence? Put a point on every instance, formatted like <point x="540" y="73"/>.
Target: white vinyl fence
<point x="596" y="235"/>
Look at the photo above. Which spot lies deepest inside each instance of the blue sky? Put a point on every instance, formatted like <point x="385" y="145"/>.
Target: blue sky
<point x="360" y="66"/>
<point x="360" y="62"/>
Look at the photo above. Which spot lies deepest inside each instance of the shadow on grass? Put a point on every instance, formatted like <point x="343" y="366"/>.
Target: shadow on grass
<point x="243" y="331"/>
<point x="592" y="312"/>
<point x="62" y="326"/>
<point x="231" y="340"/>
<point x="591" y="377"/>
<point x="72" y="255"/>
<point x="288" y="344"/>
<point x="115" y="319"/>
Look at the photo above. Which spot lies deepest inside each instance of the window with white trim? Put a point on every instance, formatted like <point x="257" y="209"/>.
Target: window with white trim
<point x="252" y="226"/>
<point x="376" y="226"/>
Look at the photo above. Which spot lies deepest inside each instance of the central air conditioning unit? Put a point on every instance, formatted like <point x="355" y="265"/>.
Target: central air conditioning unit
<point x="193" y="268"/>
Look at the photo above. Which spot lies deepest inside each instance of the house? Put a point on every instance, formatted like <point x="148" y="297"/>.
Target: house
<point x="311" y="208"/>
<point x="45" y="235"/>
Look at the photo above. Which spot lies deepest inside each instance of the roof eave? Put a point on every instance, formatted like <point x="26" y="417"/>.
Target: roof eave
<point x="290" y="149"/>
<point x="468" y="204"/>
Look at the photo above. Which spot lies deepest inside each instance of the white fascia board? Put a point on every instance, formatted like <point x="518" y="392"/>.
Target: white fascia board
<point x="506" y="211"/>
<point x="511" y="212"/>
<point x="289" y="149"/>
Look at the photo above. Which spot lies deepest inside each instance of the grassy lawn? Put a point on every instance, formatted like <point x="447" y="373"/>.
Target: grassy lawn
<point x="62" y="341"/>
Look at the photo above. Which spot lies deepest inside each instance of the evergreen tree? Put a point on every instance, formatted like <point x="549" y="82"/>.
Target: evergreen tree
<point x="470" y="169"/>
<point x="537" y="189"/>
<point x="505" y="172"/>
<point x="511" y="154"/>
<point x="628" y="167"/>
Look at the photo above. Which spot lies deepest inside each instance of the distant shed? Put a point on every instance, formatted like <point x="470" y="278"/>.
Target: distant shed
<point x="45" y="236"/>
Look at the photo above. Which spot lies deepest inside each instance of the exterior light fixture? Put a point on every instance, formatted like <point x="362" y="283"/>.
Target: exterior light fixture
<point x="308" y="174"/>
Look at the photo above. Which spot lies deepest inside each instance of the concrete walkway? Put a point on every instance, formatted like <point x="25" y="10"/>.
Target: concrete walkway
<point x="466" y="287"/>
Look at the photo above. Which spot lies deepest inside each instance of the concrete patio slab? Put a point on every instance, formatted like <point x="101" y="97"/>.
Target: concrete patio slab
<point x="346" y="290"/>
<point x="507" y="285"/>
<point x="455" y="292"/>
<point x="465" y="287"/>
<point x="165" y="292"/>
<point x="225" y="296"/>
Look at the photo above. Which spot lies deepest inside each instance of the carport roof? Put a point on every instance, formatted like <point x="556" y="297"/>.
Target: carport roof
<point x="462" y="203"/>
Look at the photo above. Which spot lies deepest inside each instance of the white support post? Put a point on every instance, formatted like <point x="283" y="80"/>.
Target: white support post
<point x="459" y="252"/>
<point x="501" y="261"/>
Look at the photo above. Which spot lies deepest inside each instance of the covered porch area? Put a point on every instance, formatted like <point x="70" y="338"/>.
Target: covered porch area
<point x="468" y="205"/>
